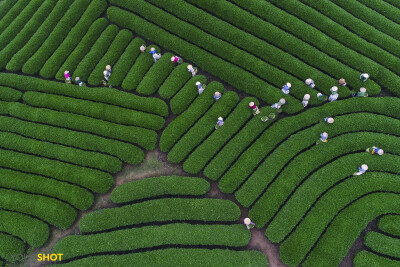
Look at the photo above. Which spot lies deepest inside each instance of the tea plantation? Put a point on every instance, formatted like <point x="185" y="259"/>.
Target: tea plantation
<point x="66" y="136"/>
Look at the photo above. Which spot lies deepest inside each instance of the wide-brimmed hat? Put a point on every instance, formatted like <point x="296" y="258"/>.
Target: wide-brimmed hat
<point x="362" y="89"/>
<point x="108" y="67"/>
<point x="247" y="221"/>
<point x="65" y="72"/>
<point x="364" y="167"/>
<point x="289" y="84"/>
<point x="220" y="119"/>
<point x="331" y="120"/>
<point x="380" y="152"/>
<point x="306" y="97"/>
<point x="189" y="66"/>
<point x="282" y="100"/>
<point x="152" y="49"/>
<point x="334" y="88"/>
<point x="198" y="83"/>
<point x="251" y="104"/>
<point x="325" y="134"/>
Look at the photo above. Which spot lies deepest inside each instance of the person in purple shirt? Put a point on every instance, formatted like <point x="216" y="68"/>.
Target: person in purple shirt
<point x="67" y="76"/>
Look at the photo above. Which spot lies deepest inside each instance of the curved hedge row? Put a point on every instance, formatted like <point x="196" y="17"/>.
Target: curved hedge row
<point x="126" y="152"/>
<point x="226" y="71"/>
<point x="385" y="8"/>
<point x="52" y="211"/>
<point x="161" y="210"/>
<point x="75" y="156"/>
<point x="176" y="257"/>
<point x="203" y="127"/>
<point x="94" y="180"/>
<point x="347" y="226"/>
<point x="305" y="139"/>
<point x="234" y="148"/>
<point x="153" y="236"/>
<point x="183" y="122"/>
<point x="143" y="137"/>
<point x="59" y="33"/>
<point x="156" y="75"/>
<point x="103" y="95"/>
<point x="390" y="224"/>
<point x="95" y="110"/>
<point x="6" y="6"/>
<point x="350" y="48"/>
<point x="125" y="62"/>
<point x="93" y="11"/>
<point x="298" y="170"/>
<point x="9" y="94"/>
<point x="8" y="18"/>
<point x="77" y="196"/>
<point x="97" y="51"/>
<point x="383" y="244"/>
<point x="139" y="69"/>
<point x="40" y="35"/>
<point x="111" y="56"/>
<point x="159" y="186"/>
<point x="82" y="49"/>
<point x="175" y="81"/>
<point x="205" y="151"/>
<point x="187" y="93"/>
<point x="11" y="44"/>
<point x="30" y="230"/>
<point x="366" y="258"/>
<point x="10" y="246"/>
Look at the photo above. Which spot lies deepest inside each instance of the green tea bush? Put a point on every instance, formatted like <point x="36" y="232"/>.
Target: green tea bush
<point x="175" y="81"/>
<point x="93" y="11"/>
<point x="6" y="6"/>
<point x="390" y="224"/>
<point x="10" y="245"/>
<point x="95" y="110"/>
<point x="11" y="13"/>
<point x="366" y="258"/>
<point x="159" y="186"/>
<point x="9" y="94"/>
<point x="383" y="244"/>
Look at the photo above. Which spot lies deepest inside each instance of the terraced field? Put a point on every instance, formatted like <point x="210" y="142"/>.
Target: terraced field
<point x="64" y="147"/>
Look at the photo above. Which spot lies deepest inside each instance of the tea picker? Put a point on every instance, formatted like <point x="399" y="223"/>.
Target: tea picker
<point x="286" y="88"/>
<point x="329" y="120"/>
<point x="342" y="82"/>
<point x="200" y="87"/>
<point x="322" y="97"/>
<point x="362" y="93"/>
<point x="361" y="170"/>
<point x="156" y="56"/>
<point x="255" y="109"/>
<point x="323" y="138"/>
<point x="217" y="95"/>
<point x="79" y="82"/>
<point x="106" y="76"/>
<point x="334" y="95"/>
<point x="249" y="224"/>
<point x="176" y="59"/>
<point x="143" y="49"/>
<point x="375" y="151"/>
<point x="67" y="76"/>
<point x="192" y="70"/>
<point x="305" y="100"/>
<point x="220" y="122"/>
<point x="310" y="83"/>
<point x="364" y="77"/>
<point x="278" y="105"/>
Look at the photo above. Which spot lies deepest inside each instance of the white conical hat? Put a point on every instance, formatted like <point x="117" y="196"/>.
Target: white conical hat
<point x="247" y="221"/>
<point x="217" y="93"/>
<point x="65" y="72"/>
<point x="341" y="80"/>
<point x="366" y="75"/>
<point x="334" y="88"/>
<point x="105" y="72"/>
<point x="319" y="94"/>
<point x="198" y="83"/>
<point x="108" y="67"/>
<point x="380" y="152"/>
<point x="251" y="104"/>
<point x="309" y="81"/>
<point x="77" y="78"/>
<point x="220" y="119"/>
<point x="172" y="58"/>
<point x="364" y="167"/>
<point x="362" y="89"/>
<point x="152" y="49"/>
<point x="325" y="134"/>
<point x="289" y="84"/>
<point x="331" y="120"/>
<point x="282" y="100"/>
<point x="306" y="97"/>
<point x="189" y="66"/>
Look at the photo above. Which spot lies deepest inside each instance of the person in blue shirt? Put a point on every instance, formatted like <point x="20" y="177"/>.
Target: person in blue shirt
<point x="217" y="95"/>
<point x="219" y="124"/>
<point x="375" y="151"/>
<point x="286" y="88"/>
<point x="200" y="87"/>
<point x="361" y="170"/>
<point x="156" y="56"/>
<point x="323" y="138"/>
<point x="310" y="83"/>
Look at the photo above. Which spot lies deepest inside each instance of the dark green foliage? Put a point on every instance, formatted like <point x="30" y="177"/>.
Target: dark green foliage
<point x="9" y="94"/>
<point x="390" y="224"/>
<point x="383" y="244"/>
<point x="10" y="246"/>
<point x="365" y="258"/>
<point x="175" y="81"/>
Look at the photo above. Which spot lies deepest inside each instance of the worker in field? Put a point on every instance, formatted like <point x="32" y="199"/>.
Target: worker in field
<point x="306" y="97"/>
<point x="361" y="170"/>
<point x="362" y="93"/>
<point x="219" y="124"/>
<point x="156" y="56"/>
<point x="255" y="109"/>
<point x="334" y="95"/>
<point x="310" y="83"/>
<point x="342" y="82"/>
<point x="142" y="49"/>
<point x="192" y="70"/>
<point x="323" y="138"/>
<point x="67" y="76"/>
<point x="106" y="76"/>
<point x="200" y="87"/>
<point x="286" y="88"/>
<point x="176" y="59"/>
<point x="375" y="151"/>
<point x="79" y="82"/>
<point x="278" y="105"/>
<point x="217" y="95"/>
<point x="364" y="77"/>
<point x="329" y="120"/>
<point x="322" y="97"/>
<point x="249" y="224"/>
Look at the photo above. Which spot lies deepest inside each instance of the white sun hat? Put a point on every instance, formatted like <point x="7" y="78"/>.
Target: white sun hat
<point x="108" y="67"/>
<point x="306" y="96"/>
<point x="247" y="221"/>
<point x="364" y="167"/>
<point x="189" y="66"/>
<point x="309" y="81"/>
<point x="289" y="84"/>
<point x="172" y="58"/>
<point x="282" y="101"/>
<point x="220" y="119"/>
<point x="380" y="152"/>
<point x="331" y="120"/>
<point x="362" y="89"/>
<point x="325" y="134"/>
<point x="198" y="83"/>
<point x="65" y="72"/>
<point x="334" y="88"/>
<point x="152" y="49"/>
<point x="251" y="104"/>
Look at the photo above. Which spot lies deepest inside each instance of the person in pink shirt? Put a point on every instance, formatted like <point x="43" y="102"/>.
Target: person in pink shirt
<point x="176" y="59"/>
<point x="67" y="76"/>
